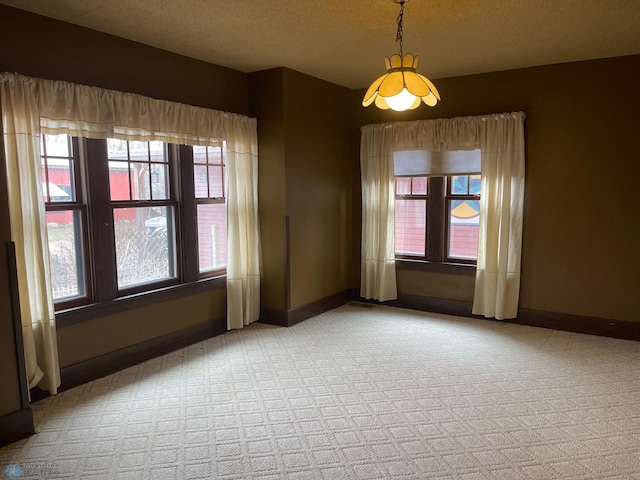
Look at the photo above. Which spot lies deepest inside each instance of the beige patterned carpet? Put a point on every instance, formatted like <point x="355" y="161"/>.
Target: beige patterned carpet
<point x="355" y="393"/>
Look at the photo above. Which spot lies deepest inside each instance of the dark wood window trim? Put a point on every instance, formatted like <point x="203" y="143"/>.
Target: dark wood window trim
<point x="188" y="210"/>
<point x="413" y="196"/>
<point x="95" y="204"/>
<point x="447" y="201"/>
<point x="436" y="267"/>
<point x="436" y="221"/>
<point x="101" y="227"/>
<point x="72" y="316"/>
<point x="76" y="204"/>
<point x="209" y="199"/>
<point x="101" y="208"/>
<point x="435" y="258"/>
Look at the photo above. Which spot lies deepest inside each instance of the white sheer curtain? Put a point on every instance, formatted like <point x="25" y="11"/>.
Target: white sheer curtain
<point x="21" y="129"/>
<point x="243" y="229"/>
<point x="500" y="138"/>
<point x="32" y="106"/>
<point x="378" y="266"/>
<point x="501" y="204"/>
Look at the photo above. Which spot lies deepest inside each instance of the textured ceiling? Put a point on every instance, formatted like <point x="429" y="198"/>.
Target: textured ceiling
<point x="345" y="41"/>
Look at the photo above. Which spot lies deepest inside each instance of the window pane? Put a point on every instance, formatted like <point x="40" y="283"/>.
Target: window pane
<point x="159" y="181"/>
<point x="57" y="169"/>
<point x="460" y="185"/>
<point x="117" y="149"/>
<point x="200" y="181"/>
<point x="64" y="230"/>
<point x="410" y="231"/>
<point x="59" y="187"/>
<point x="215" y="155"/>
<point x="463" y="228"/>
<point x="58" y="145"/>
<point x="199" y="154"/>
<point x="403" y="186"/>
<point x="475" y="184"/>
<point x="140" y="181"/>
<point x="419" y="185"/>
<point x="157" y="152"/>
<point x="212" y="236"/>
<point x="215" y="182"/>
<point x="139" y="151"/>
<point x="119" y="180"/>
<point x="145" y="242"/>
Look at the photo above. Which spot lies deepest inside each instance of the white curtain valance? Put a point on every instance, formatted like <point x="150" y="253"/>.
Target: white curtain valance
<point x="92" y="112"/>
<point x="460" y="133"/>
<point x="441" y="134"/>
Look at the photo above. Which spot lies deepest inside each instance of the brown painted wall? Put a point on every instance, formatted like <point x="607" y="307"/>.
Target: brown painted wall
<point x="42" y="47"/>
<point x="305" y="173"/>
<point x="266" y="93"/>
<point x="581" y="226"/>
<point x="318" y="183"/>
<point x="82" y="341"/>
<point x="10" y="397"/>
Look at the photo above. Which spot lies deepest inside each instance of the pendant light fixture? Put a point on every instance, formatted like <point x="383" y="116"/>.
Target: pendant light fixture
<point x="401" y="88"/>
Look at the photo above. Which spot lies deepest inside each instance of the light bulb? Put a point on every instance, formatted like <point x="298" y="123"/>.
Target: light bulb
<point x="402" y="101"/>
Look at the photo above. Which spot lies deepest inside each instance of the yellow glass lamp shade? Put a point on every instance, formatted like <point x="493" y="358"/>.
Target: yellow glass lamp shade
<point x="401" y="88"/>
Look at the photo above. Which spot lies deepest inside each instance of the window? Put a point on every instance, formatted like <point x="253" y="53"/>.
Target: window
<point x="208" y="173"/>
<point x="437" y="215"/>
<point x="463" y="215"/>
<point x="66" y="217"/>
<point x="125" y="217"/>
<point x="143" y="208"/>
<point x="436" y="218"/>
<point x="411" y="215"/>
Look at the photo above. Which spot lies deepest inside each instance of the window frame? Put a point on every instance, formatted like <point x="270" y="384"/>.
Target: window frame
<point x="210" y="200"/>
<point x="449" y="196"/>
<point x="78" y="205"/>
<point x="436" y="257"/>
<point x="170" y="202"/>
<point x="412" y="196"/>
<point x="104" y="297"/>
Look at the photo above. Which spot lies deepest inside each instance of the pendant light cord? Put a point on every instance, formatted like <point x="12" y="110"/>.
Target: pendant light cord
<point x="399" y="33"/>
